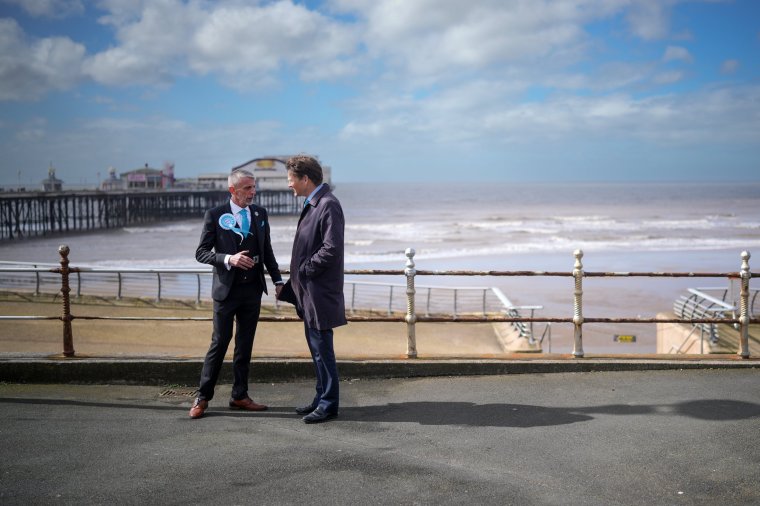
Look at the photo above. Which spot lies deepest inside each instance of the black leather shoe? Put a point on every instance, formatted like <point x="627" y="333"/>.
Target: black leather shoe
<point x="303" y="410"/>
<point x="319" y="416"/>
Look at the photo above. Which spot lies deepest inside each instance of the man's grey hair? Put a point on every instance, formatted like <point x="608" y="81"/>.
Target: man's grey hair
<point x="236" y="175"/>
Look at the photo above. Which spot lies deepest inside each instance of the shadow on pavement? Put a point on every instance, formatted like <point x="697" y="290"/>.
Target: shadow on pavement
<point x="462" y="413"/>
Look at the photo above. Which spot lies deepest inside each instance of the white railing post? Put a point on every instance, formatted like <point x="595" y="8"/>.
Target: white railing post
<point x="744" y="306"/>
<point x="578" y="305"/>
<point x="411" y="317"/>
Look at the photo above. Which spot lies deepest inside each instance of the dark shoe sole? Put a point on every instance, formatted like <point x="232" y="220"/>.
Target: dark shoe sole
<point x="327" y="417"/>
<point x="232" y="406"/>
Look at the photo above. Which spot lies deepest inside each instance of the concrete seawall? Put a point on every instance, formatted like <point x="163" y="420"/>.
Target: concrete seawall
<point x="158" y="371"/>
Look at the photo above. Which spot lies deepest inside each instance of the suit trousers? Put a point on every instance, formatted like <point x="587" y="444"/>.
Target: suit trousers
<point x="242" y="305"/>
<point x="325" y="367"/>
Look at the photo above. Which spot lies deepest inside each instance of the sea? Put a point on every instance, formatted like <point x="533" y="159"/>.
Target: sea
<point x="619" y="227"/>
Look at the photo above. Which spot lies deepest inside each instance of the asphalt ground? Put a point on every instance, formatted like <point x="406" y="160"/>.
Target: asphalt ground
<point x="637" y="437"/>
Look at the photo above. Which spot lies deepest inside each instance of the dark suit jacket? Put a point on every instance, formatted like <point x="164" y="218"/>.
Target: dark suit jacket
<point x="217" y="242"/>
<point x="316" y="265"/>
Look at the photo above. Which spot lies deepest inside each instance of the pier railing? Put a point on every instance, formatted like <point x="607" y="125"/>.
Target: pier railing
<point x="411" y="317"/>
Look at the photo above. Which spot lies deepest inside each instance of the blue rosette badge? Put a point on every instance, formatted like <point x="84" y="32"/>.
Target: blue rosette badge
<point x="227" y="222"/>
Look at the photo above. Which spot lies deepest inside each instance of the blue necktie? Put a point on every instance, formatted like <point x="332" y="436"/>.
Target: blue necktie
<point x="244" y="224"/>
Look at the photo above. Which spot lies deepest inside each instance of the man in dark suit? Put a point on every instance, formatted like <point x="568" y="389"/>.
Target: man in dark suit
<point x="316" y="280"/>
<point x="235" y="241"/>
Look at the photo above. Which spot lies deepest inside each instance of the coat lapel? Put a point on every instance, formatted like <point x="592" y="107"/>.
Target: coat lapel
<point x="314" y="201"/>
<point x="228" y="234"/>
<point x="257" y="226"/>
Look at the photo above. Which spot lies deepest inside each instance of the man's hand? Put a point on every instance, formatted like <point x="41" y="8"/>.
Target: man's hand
<point x="242" y="261"/>
<point x="277" y="290"/>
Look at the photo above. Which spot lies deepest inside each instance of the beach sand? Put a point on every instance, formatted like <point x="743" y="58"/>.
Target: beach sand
<point x="190" y="339"/>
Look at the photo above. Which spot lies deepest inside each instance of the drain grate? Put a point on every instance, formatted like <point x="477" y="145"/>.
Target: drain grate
<point x="174" y="392"/>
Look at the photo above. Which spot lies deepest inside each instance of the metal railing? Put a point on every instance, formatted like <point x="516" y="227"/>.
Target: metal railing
<point x="701" y="305"/>
<point x="731" y="297"/>
<point x="743" y="320"/>
<point x="194" y="284"/>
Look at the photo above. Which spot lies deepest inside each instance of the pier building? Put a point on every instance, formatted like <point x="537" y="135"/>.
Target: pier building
<point x="52" y="183"/>
<point x="143" y="178"/>
<point x="138" y="196"/>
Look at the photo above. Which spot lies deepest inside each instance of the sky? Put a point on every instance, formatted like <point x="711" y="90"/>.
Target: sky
<point x="383" y="90"/>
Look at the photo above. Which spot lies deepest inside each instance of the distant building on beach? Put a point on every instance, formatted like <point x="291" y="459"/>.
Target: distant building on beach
<point x="271" y="172"/>
<point x="52" y="183"/>
<point x="144" y="178"/>
<point x="212" y="181"/>
<point x="113" y="183"/>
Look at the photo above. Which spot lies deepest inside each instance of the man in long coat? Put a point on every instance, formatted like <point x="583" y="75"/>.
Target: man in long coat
<point x="316" y="280"/>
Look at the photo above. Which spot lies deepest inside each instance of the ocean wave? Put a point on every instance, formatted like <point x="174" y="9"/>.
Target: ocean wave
<point x="156" y="263"/>
<point x="560" y="244"/>
<point x="164" y="229"/>
<point x="547" y="226"/>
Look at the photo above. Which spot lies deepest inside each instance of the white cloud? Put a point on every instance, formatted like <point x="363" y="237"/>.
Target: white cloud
<point x="260" y="40"/>
<point x="487" y="117"/>
<point x="49" y="8"/>
<point x="247" y="45"/>
<point x="677" y="53"/>
<point x="32" y="130"/>
<point x="668" y="77"/>
<point x="120" y="12"/>
<point x="729" y="66"/>
<point x="152" y="47"/>
<point x="650" y="19"/>
<point x="244" y="45"/>
<point x="437" y="39"/>
<point x="31" y="68"/>
<point x="89" y="146"/>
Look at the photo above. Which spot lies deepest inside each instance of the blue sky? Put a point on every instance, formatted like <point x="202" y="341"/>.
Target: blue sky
<point x="383" y="90"/>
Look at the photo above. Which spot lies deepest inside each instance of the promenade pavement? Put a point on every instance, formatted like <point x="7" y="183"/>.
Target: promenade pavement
<point x="636" y="437"/>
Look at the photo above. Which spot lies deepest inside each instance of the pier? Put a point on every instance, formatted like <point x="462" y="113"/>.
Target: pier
<point x="36" y="214"/>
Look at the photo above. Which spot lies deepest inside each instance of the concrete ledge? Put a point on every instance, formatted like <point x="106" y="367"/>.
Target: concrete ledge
<point x="162" y="371"/>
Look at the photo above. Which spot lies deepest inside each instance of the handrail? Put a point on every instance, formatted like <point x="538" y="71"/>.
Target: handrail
<point x="411" y="318"/>
<point x="718" y="302"/>
<point x="157" y="281"/>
